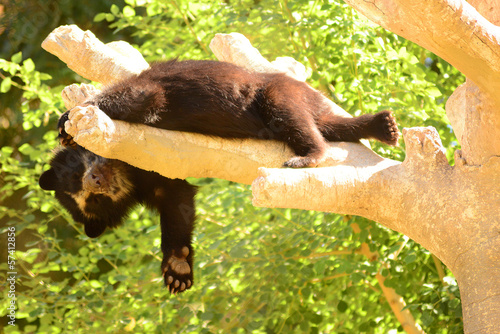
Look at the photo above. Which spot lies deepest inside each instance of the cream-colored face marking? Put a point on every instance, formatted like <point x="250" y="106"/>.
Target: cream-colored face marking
<point x="117" y="188"/>
<point x="120" y="185"/>
<point x="80" y="198"/>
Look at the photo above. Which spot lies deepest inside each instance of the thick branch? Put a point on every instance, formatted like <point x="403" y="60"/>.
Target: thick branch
<point x="181" y="154"/>
<point x="89" y="57"/>
<point x="236" y="48"/>
<point x="171" y="153"/>
<point x="410" y="197"/>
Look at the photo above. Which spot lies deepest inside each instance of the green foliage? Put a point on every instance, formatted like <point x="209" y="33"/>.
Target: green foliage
<point x="256" y="270"/>
<point x="39" y="99"/>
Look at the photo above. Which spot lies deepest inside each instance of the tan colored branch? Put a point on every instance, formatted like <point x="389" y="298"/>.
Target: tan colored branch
<point x="92" y="59"/>
<point x="397" y="304"/>
<point x="75" y="95"/>
<point x="476" y="121"/>
<point x="407" y="197"/>
<point x="236" y="48"/>
<point x="395" y="301"/>
<point x="174" y="154"/>
<point x="180" y="154"/>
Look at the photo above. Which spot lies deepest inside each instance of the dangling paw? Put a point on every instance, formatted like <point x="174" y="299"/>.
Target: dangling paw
<point x="178" y="270"/>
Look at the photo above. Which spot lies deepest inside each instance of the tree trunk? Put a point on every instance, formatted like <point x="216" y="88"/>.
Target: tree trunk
<point x="465" y="215"/>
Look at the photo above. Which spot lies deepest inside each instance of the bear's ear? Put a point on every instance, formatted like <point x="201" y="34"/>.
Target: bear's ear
<point x="48" y="180"/>
<point x="94" y="228"/>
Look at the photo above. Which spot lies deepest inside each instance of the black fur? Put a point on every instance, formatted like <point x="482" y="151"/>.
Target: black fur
<point x="224" y="100"/>
<point x="100" y="192"/>
<point x="211" y="98"/>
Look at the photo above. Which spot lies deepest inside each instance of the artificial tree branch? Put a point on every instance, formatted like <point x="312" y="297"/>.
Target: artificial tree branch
<point x="92" y="59"/>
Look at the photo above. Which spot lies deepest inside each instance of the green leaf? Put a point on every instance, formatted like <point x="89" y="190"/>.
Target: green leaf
<point x="30" y="329"/>
<point x="319" y="267"/>
<point x="95" y="284"/>
<point x="115" y="10"/>
<point x="206" y="316"/>
<point x="427" y="318"/>
<point x="410" y="258"/>
<point x="153" y="9"/>
<point x="7" y="150"/>
<point x="433" y="92"/>
<point x="121" y="278"/>
<point x="238" y="252"/>
<point x="100" y="17"/>
<point x="25" y="149"/>
<point x="342" y="306"/>
<point x="357" y="277"/>
<point x="394" y="249"/>
<point x="316" y="318"/>
<point x="128" y="11"/>
<point x="32" y="243"/>
<point x="46" y="207"/>
<point x="29" y="65"/>
<point x="17" y="58"/>
<point x="6" y="84"/>
<point x="84" y="251"/>
<point x="45" y="76"/>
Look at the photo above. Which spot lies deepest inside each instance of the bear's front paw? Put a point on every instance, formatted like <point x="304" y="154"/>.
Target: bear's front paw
<point x="90" y="126"/>
<point x="177" y="270"/>
<point x="65" y="139"/>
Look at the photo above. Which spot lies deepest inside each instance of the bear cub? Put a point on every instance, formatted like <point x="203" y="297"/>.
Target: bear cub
<point x="207" y="97"/>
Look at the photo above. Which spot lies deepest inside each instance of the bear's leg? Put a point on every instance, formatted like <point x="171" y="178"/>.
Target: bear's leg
<point x="175" y="201"/>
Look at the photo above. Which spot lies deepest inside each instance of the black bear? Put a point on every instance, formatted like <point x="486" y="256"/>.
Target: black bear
<point x="207" y="97"/>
